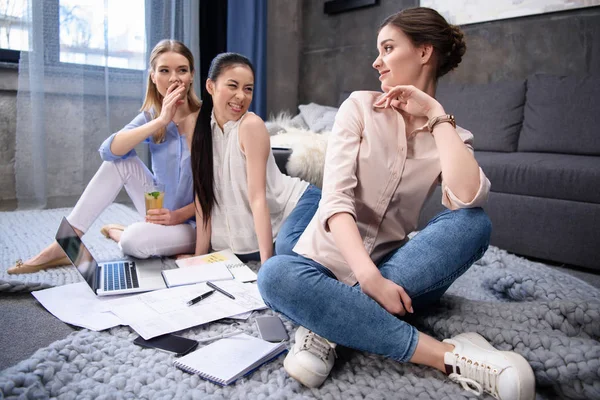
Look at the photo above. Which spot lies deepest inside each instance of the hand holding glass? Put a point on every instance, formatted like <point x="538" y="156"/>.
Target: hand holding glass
<point x="154" y="194"/>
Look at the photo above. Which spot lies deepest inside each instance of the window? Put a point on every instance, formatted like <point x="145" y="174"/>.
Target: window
<point x="14" y="29"/>
<point x="89" y="32"/>
<point x="92" y="35"/>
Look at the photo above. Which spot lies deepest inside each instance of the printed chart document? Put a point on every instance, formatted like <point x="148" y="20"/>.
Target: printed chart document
<point x="76" y="304"/>
<point x="240" y="271"/>
<point x="164" y="311"/>
<point x="228" y="359"/>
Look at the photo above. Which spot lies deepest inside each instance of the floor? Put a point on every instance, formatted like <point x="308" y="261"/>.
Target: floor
<point x="23" y="317"/>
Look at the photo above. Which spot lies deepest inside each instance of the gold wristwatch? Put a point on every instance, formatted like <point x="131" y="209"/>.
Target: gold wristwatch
<point x="438" y="120"/>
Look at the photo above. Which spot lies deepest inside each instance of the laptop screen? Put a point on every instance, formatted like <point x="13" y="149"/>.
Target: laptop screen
<point x="79" y="255"/>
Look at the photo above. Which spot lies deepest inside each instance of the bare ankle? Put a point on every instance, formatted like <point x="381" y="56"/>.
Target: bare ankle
<point x="430" y="352"/>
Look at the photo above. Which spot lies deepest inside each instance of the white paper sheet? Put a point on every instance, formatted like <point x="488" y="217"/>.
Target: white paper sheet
<point x="242" y="316"/>
<point x="77" y="304"/>
<point x="165" y="311"/>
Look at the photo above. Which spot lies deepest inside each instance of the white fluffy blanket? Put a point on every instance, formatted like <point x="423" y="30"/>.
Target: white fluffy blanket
<point x="308" y="151"/>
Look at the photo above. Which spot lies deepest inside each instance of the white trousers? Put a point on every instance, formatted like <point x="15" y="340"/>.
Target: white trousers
<point x="141" y="239"/>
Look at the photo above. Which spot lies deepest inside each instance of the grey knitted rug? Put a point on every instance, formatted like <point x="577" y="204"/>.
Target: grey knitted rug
<point x="551" y="318"/>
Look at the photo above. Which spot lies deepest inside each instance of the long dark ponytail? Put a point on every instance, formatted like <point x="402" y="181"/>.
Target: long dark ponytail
<point x="202" y="151"/>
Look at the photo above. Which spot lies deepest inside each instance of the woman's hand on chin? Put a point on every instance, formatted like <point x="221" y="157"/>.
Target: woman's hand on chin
<point x="411" y="100"/>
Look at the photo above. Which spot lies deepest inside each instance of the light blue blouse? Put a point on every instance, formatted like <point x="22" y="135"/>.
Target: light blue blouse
<point x="171" y="164"/>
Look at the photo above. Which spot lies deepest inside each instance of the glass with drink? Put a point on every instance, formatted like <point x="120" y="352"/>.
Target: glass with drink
<point x="154" y="195"/>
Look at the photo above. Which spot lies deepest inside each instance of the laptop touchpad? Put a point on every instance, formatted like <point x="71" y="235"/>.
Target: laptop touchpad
<point x="149" y="268"/>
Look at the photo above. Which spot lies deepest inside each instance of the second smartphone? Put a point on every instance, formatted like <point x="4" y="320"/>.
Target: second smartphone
<point x="171" y="343"/>
<point x="271" y="328"/>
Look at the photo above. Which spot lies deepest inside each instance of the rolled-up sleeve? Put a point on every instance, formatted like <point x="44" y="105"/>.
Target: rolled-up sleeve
<point x="339" y="176"/>
<point x="449" y="199"/>
<point x="105" y="152"/>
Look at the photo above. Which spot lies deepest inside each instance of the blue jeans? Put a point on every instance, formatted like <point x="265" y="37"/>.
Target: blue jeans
<point x="310" y="295"/>
<point x="297" y="221"/>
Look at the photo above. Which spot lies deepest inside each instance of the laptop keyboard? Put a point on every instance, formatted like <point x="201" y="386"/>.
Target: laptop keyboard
<point x="120" y="275"/>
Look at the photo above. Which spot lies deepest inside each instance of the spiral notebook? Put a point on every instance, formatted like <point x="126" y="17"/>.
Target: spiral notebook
<point x="226" y="360"/>
<point x="241" y="272"/>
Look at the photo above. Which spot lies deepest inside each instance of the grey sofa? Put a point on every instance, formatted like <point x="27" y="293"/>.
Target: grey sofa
<point x="538" y="141"/>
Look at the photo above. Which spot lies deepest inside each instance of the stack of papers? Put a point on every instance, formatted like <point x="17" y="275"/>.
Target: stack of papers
<point x="155" y="313"/>
<point x="164" y="311"/>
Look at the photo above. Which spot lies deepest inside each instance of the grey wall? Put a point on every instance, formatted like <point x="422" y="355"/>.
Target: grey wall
<point x="336" y="52"/>
<point x="561" y="43"/>
<point x="8" y="121"/>
<point x="284" y="38"/>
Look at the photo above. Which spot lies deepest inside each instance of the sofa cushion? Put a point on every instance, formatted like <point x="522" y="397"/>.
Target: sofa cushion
<point x="492" y="112"/>
<point x="318" y="118"/>
<point x="561" y="115"/>
<point x="557" y="176"/>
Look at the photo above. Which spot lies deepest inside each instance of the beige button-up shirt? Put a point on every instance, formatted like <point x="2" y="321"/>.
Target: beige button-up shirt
<point x="381" y="177"/>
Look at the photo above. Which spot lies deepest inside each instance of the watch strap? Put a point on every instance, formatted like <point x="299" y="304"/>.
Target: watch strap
<point x="440" y="119"/>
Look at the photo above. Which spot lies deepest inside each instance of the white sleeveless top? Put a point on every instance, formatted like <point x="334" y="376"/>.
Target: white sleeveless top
<point x="232" y="223"/>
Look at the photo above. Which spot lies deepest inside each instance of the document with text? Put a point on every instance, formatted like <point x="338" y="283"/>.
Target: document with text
<point x="164" y="311"/>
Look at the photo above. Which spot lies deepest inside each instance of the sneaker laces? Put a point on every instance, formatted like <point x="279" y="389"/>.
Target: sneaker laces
<point x="475" y="377"/>
<point x="317" y="345"/>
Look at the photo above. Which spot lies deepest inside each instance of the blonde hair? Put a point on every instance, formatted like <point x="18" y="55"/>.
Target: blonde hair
<point x="153" y="100"/>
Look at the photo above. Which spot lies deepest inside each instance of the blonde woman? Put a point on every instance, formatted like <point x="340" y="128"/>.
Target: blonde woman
<point x="166" y="123"/>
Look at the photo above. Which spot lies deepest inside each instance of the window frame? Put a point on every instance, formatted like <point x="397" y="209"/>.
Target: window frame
<point x="51" y="18"/>
<point x="9" y="56"/>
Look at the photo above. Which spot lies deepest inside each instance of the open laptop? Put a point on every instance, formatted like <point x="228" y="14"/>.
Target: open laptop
<point x="109" y="277"/>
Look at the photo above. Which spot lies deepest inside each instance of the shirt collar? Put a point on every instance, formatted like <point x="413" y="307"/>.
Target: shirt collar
<point x="229" y="125"/>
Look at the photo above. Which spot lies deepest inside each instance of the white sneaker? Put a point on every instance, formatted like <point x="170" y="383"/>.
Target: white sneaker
<point x="311" y="358"/>
<point x="479" y="367"/>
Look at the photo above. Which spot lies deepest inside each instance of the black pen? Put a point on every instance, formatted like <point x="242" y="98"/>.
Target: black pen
<point x="201" y="297"/>
<point x="218" y="289"/>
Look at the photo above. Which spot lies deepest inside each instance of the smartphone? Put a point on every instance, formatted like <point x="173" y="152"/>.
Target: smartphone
<point x="271" y="328"/>
<point x="171" y="343"/>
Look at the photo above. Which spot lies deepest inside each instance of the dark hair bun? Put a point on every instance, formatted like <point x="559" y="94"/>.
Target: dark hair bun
<point x="453" y="57"/>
